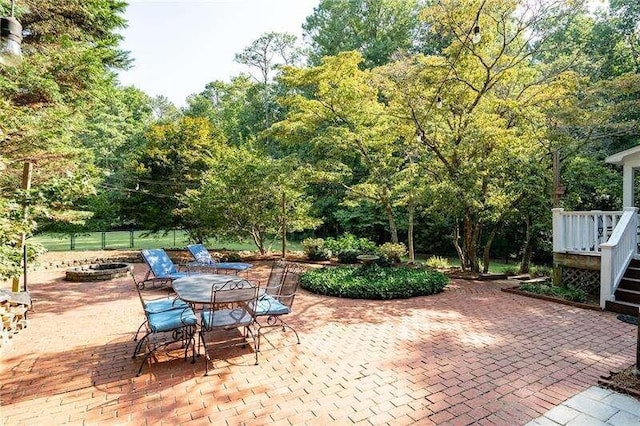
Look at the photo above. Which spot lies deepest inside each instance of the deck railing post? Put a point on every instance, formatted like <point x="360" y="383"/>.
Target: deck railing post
<point x="558" y="230"/>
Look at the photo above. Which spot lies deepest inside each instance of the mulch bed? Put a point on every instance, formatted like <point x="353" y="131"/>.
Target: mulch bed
<point x="624" y="381"/>
<point x="516" y="290"/>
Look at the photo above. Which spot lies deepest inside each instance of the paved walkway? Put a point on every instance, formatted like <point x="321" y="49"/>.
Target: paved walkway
<point x="470" y="355"/>
<point x="594" y="406"/>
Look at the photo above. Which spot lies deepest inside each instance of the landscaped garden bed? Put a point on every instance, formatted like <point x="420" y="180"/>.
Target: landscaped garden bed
<point x="374" y="282"/>
<point x="565" y="295"/>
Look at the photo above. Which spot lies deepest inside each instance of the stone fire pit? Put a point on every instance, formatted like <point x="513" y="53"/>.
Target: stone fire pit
<point x="98" y="272"/>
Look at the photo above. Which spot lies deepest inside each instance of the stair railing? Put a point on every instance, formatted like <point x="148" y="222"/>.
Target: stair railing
<point x="617" y="252"/>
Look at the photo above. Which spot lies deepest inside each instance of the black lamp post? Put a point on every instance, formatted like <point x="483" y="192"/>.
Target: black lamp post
<point x="10" y="39"/>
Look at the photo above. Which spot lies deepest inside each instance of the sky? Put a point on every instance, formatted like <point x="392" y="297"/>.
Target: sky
<point x="179" y="46"/>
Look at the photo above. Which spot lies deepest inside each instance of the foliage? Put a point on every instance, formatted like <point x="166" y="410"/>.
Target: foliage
<point x="483" y="148"/>
<point x="347" y="247"/>
<point x="242" y="195"/>
<point x="314" y="249"/>
<point x="511" y="270"/>
<point x="373" y="282"/>
<point x="336" y="114"/>
<point x="375" y="28"/>
<point x="392" y="252"/>
<point x="70" y="52"/>
<point x="175" y="157"/>
<point x="437" y="262"/>
<point x="570" y="293"/>
<point x="542" y="271"/>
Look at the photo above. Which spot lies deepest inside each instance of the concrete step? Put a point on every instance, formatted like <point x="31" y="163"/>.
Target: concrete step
<point x="626" y="295"/>
<point x="620" y="307"/>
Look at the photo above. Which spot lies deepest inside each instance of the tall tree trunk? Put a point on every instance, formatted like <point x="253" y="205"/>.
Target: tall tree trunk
<point x="486" y="257"/>
<point x="392" y="223"/>
<point x="470" y="242"/>
<point x="528" y="247"/>
<point x="459" y="249"/>
<point x="412" y="255"/>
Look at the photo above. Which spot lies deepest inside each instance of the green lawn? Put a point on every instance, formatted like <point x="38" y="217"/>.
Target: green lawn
<point x="122" y="240"/>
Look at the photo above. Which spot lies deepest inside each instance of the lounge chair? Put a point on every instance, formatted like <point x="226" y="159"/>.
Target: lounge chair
<point x="203" y="259"/>
<point x="162" y="270"/>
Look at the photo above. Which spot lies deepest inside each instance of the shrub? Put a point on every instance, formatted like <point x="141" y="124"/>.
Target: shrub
<point x="315" y="249"/>
<point x="392" y="252"/>
<point x="570" y="293"/>
<point x="348" y="247"/>
<point x="541" y="271"/>
<point x="233" y="257"/>
<point x="511" y="270"/>
<point x="373" y="282"/>
<point x="348" y="256"/>
<point x="437" y="262"/>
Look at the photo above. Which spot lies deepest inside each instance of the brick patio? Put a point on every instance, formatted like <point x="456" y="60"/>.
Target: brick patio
<point x="472" y="354"/>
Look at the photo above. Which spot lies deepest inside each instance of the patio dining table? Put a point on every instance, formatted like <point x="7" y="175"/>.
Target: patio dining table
<point x="196" y="289"/>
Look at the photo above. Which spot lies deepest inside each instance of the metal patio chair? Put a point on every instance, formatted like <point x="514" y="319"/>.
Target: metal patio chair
<point x="165" y="327"/>
<point x="230" y="316"/>
<point x="277" y="301"/>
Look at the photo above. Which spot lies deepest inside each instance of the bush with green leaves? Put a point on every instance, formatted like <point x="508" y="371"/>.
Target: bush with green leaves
<point x="568" y="292"/>
<point x="373" y="282"/>
<point x="392" y="252"/>
<point x="348" y="247"/>
<point x="541" y="271"/>
<point x="438" y="262"/>
<point x="315" y="249"/>
<point x="511" y="270"/>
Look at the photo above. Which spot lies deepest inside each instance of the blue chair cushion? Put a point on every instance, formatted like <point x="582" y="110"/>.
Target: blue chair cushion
<point x="267" y="305"/>
<point x="161" y="305"/>
<point x="236" y="266"/>
<point x="171" y="320"/>
<point x="225" y="318"/>
<point x="159" y="262"/>
<point x="174" y="275"/>
<point x="200" y="253"/>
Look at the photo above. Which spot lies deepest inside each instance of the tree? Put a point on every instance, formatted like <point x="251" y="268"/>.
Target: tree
<point x="490" y="129"/>
<point x="70" y="51"/>
<point x="266" y="54"/>
<point x="376" y="28"/>
<point x="237" y="108"/>
<point x="242" y="196"/>
<point x="174" y="159"/>
<point x="347" y="128"/>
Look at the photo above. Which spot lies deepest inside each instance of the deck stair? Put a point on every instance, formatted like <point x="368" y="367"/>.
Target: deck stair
<point x="627" y="295"/>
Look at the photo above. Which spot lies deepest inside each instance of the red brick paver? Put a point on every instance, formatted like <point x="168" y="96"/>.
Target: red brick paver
<point x="472" y="354"/>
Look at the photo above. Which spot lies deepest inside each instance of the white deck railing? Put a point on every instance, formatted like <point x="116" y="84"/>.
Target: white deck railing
<point x="617" y="252"/>
<point x="582" y="232"/>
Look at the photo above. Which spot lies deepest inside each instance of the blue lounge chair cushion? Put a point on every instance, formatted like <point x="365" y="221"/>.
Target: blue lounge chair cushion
<point x="267" y="305"/>
<point x="237" y="266"/>
<point x="204" y="258"/>
<point x="159" y="262"/>
<point x="171" y="320"/>
<point x="161" y="305"/>
<point x="225" y="318"/>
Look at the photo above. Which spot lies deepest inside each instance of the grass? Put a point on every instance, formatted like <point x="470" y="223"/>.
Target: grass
<point x="122" y="240"/>
<point x="495" y="267"/>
